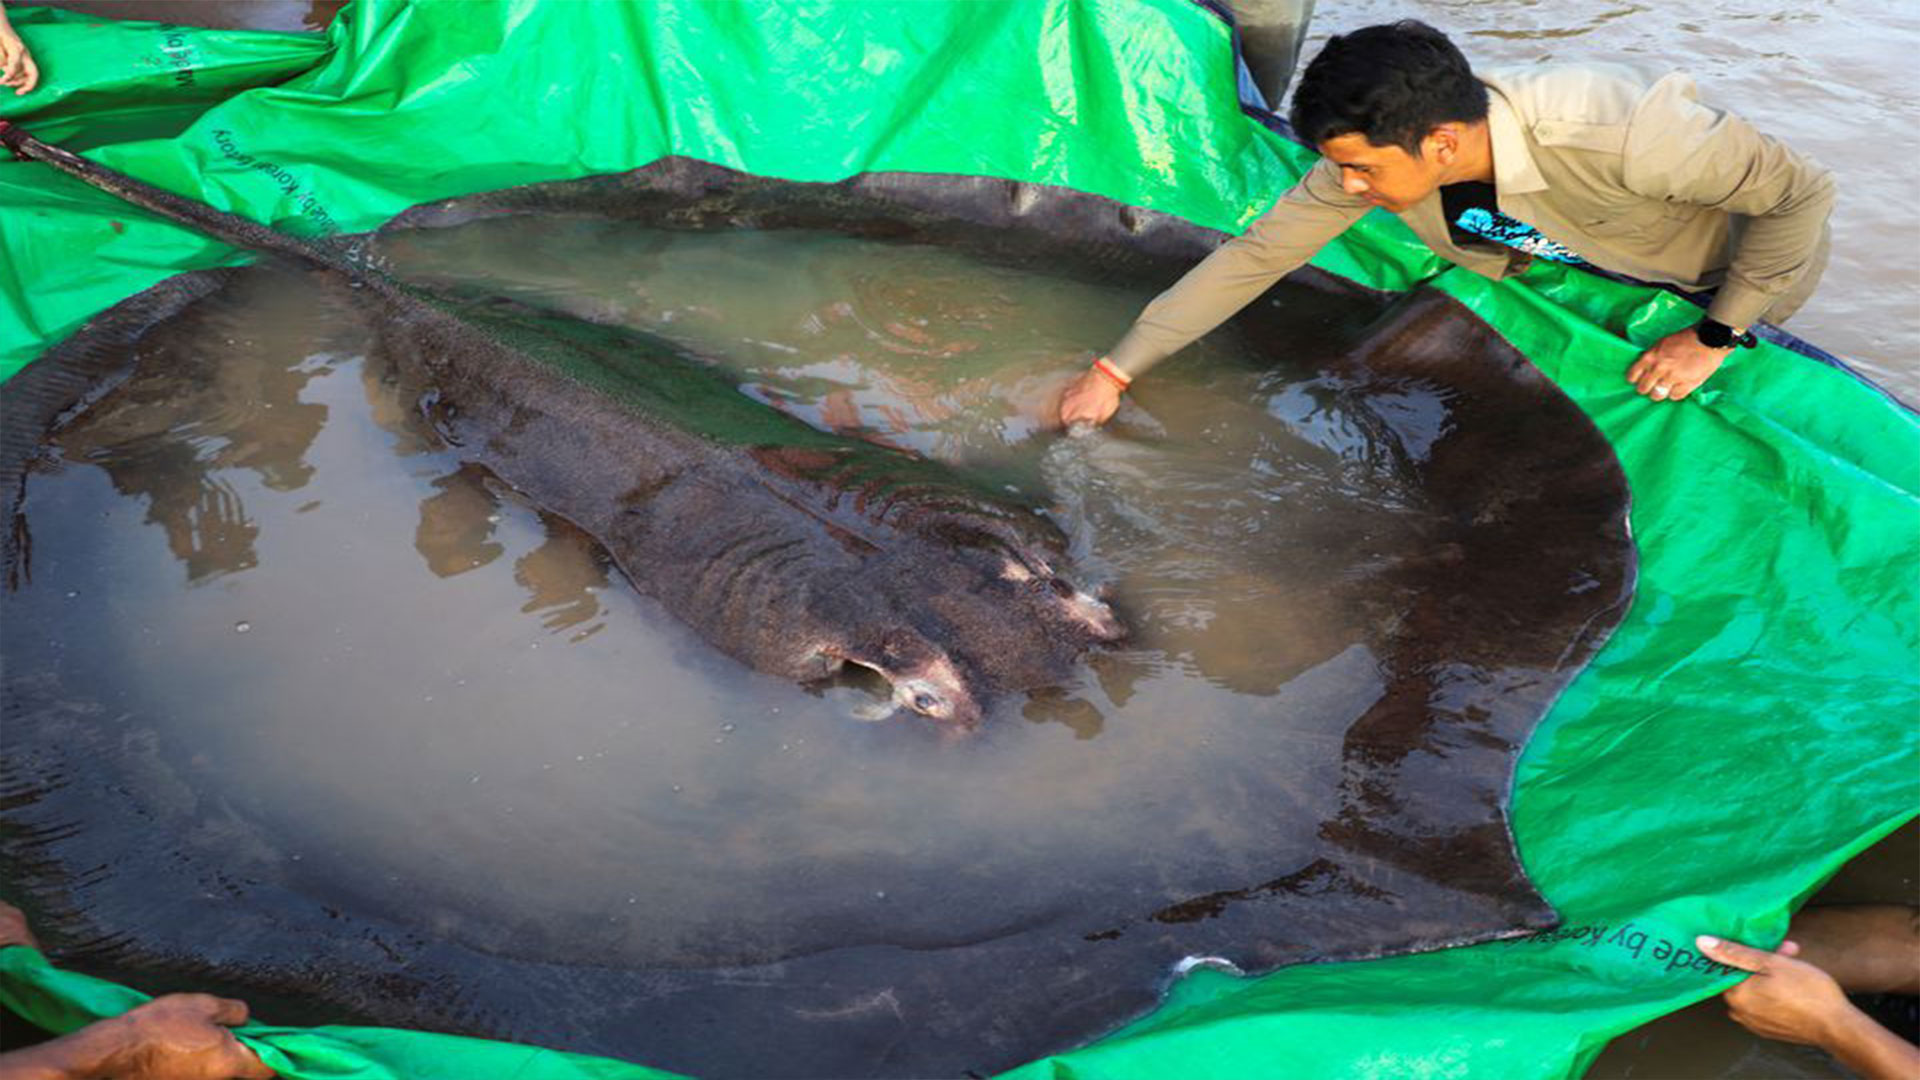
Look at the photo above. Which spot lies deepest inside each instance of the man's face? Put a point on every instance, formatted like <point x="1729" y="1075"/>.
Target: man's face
<point x="1385" y="176"/>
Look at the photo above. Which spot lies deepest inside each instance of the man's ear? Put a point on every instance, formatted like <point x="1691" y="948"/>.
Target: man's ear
<point x="1443" y="143"/>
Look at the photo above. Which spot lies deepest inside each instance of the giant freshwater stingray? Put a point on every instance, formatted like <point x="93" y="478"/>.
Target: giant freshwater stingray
<point x="796" y="552"/>
<point x="1404" y="845"/>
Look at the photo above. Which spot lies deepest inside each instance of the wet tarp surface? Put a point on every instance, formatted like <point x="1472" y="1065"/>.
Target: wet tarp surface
<point x="1767" y="659"/>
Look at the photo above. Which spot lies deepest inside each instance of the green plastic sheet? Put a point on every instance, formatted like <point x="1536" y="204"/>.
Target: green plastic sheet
<point x="112" y="82"/>
<point x="64" y="1000"/>
<point x="1750" y="726"/>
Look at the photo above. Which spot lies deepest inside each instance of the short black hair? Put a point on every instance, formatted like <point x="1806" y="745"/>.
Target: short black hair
<point x="1392" y="84"/>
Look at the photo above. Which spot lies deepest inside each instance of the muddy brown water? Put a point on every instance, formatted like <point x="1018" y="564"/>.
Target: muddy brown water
<point x="388" y="655"/>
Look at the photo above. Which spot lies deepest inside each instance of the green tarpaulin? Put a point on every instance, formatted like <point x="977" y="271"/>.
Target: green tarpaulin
<point x="1748" y="728"/>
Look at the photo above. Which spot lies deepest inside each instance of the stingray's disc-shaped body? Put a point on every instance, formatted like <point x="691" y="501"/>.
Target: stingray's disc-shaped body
<point x="866" y="899"/>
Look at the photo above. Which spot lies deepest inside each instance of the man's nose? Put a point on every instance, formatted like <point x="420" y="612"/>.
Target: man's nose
<point x="1355" y="184"/>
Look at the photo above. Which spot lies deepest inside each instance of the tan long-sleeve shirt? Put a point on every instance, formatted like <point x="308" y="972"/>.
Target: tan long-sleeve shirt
<point x="1628" y="170"/>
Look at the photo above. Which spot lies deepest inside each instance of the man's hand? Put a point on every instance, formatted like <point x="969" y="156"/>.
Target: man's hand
<point x="1675" y="366"/>
<point x="1793" y="1001"/>
<point x="183" y="1037"/>
<point x="176" y="1037"/>
<point x="16" y="63"/>
<point x="1786" y="999"/>
<point x="1092" y="398"/>
<point x="14" y="929"/>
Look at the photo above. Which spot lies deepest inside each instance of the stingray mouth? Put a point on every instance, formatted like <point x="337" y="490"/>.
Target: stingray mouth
<point x="934" y="688"/>
<point x="930" y="699"/>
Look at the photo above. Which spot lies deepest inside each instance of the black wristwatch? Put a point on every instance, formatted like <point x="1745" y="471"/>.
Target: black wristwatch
<point x="1718" y="335"/>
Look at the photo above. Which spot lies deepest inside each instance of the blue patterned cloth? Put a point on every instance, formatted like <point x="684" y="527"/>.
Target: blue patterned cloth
<point x="1514" y="233"/>
<point x="1473" y="213"/>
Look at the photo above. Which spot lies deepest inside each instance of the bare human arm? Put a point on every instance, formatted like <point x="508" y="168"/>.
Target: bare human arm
<point x="1793" y="1001"/>
<point x="1867" y="948"/>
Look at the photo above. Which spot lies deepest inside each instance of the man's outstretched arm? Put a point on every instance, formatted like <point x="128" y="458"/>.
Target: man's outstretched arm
<point x="1793" y="1001"/>
<point x="1278" y="242"/>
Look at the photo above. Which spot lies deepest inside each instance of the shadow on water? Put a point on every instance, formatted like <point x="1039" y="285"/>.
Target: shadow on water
<point x="175" y="440"/>
<point x="401" y="747"/>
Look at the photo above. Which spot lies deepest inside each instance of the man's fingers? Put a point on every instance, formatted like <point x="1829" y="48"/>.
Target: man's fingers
<point x="228" y="1012"/>
<point x="1734" y="954"/>
<point x="1658" y="382"/>
<point x="14" y="929"/>
<point x="31" y="74"/>
<point x="218" y="1010"/>
<point x="1088" y="399"/>
<point x="1681" y="390"/>
<point x="247" y="1064"/>
<point x="1639" y="367"/>
<point x="250" y="1067"/>
<point x="1788" y="948"/>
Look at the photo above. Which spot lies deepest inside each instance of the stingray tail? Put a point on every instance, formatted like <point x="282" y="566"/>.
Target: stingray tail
<point x="36" y="396"/>
<point x="229" y="228"/>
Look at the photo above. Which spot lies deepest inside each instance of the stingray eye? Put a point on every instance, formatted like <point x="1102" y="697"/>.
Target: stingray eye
<point x="925" y="702"/>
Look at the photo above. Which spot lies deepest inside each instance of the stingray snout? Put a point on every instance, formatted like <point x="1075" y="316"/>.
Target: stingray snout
<point x="1091" y="611"/>
<point x="949" y="704"/>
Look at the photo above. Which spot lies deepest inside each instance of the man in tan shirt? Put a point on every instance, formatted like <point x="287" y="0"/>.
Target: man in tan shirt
<point x="1597" y="165"/>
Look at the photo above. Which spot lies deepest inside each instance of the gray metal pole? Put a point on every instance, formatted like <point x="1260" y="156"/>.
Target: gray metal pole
<point x="1271" y="32"/>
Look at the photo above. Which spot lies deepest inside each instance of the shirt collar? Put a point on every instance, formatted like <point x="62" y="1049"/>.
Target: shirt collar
<point x="1514" y="172"/>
